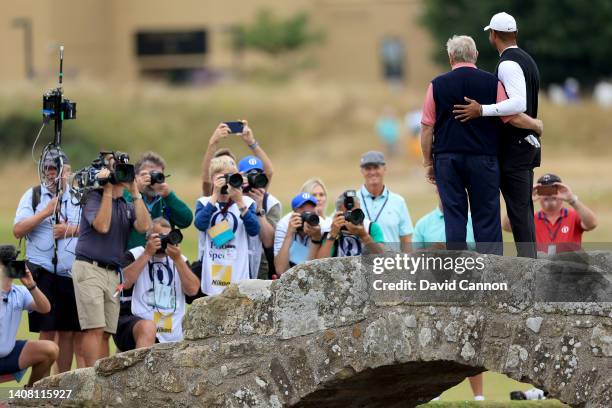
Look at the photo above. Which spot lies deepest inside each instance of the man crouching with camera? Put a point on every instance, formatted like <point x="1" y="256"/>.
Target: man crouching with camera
<point x="351" y="234"/>
<point x="17" y="355"/>
<point x="159" y="279"/>
<point x="105" y="227"/>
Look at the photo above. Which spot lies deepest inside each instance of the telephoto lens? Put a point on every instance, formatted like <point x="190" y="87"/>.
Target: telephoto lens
<point x="174" y="237"/>
<point x="157" y="177"/>
<point x="310" y="218"/>
<point x="257" y="179"/>
<point x="355" y="216"/>
<point x="234" y="180"/>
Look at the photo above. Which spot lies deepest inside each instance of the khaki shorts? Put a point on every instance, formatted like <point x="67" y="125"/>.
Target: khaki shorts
<point x="94" y="288"/>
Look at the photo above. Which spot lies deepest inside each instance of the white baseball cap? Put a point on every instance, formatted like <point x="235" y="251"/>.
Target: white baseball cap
<point x="502" y="22"/>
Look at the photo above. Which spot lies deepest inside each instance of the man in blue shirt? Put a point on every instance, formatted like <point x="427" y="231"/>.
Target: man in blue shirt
<point x="429" y="230"/>
<point x="44" y="218"/>
<point x="17" y="355"/>
<point x="383" y="207"/>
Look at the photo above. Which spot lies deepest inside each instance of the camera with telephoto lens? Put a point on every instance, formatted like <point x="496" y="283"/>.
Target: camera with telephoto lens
<point x="353" y="215"/>
<point x="174" y="237"/>
<point x="232" y="179"/>
<point x="13" y="268"/>
<point x="86" y="179"/>
<point x="157" y="177"/>
<point x="309" y="218"/>
<point x="256" y="179"/>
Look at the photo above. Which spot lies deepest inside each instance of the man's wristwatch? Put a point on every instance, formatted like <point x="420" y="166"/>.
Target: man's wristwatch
<point x="260" y="213"/>
<point x="33" y="287"/>
<point x="317" y="242"/>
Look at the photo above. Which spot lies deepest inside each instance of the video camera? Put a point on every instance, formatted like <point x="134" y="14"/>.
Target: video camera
<point x="8" y="258"/>
<point x="353" y="215"/>
<point x="86" y="179"/>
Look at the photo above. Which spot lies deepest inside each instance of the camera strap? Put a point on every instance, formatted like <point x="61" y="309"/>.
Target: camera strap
<point x="225" y="208"/>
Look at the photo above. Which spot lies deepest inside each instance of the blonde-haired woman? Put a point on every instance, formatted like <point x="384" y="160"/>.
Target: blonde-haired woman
<point x="316" y="188"/>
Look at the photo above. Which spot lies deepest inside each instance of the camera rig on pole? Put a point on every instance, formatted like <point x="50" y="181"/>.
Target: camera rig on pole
<point x="57" y="109"/>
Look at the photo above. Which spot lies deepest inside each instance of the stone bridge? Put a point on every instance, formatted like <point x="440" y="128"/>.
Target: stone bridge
<point x="322" y="337"/>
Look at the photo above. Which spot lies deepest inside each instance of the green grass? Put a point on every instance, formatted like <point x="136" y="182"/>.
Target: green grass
<point x="494" y="404"/>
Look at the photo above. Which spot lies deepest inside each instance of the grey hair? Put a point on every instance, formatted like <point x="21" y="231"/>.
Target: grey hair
<point x="462" y="48"/>
<point x="159" y="221"/>
<point x="340" y="201"/>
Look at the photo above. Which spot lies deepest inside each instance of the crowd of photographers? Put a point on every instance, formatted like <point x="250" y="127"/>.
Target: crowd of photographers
<point x="111" y="265"/>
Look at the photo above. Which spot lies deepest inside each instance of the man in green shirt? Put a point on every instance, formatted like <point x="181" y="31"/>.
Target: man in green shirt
<point x="351" y="238"/>
<point x="160" y="200"/>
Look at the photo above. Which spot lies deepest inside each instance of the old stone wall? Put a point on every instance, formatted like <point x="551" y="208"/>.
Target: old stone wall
<point x="320" y="337"/>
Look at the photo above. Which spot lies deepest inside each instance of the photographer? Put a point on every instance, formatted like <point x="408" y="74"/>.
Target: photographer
<point x="351" y="234"/>
<point x="47" y="217"/>
<point x="225" y="220"/>
<point x="17" y="355"/>
<point x="268" y="210"/>
<point x="558" y="228"/>
<point x="298" y="234"/>
<point x="157" y="277"/>
<point x="382" y="206"/>
<point x="105" y="227"/>
<point x="221" y="132"/>
<point x="160" y="200"/>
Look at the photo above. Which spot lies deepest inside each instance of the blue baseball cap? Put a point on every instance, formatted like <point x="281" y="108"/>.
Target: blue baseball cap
<point x="250" y="163"/>
<point x="301" y="199"/>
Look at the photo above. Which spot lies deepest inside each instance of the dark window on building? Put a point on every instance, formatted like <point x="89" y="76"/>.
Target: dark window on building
<point x="392" y="55"/>
<point x="157" y="43"/>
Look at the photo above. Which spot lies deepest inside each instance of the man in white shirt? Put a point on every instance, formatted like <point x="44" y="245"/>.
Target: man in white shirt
<point x="520" y="150"/>
<point x="159" y="278"/>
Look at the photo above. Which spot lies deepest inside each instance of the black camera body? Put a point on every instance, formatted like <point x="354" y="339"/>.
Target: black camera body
<point x="174" y="237"/>
<point x="54" y="106"/>
<point x="232" y="179"/>
<point x="256" y="179"/>
<point x="353" y="215"/>
<point x="157" y="177"/>
<point x="8" y="258"/>
<point x="310" y="218"/>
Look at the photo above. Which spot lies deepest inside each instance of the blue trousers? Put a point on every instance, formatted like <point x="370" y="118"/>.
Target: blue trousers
<point x="462" y="177"/>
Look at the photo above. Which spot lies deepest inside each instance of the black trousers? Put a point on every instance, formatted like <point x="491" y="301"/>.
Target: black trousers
<point x="516" y="187"/>
<point x="462" y="177"/>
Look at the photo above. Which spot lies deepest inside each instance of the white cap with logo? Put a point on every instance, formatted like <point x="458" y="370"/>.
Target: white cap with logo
<point x="502" y="22"/>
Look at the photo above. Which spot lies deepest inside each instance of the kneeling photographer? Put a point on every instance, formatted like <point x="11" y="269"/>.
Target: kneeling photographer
<point x="351" y="234"/>
<point x="157" y="195"/>
<point x="17" y="355"/>
<point x="105" y="227"/>
<point x="298" y="234"/>
<point x="225" y="220"/>
<point x="156" y="280"/>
